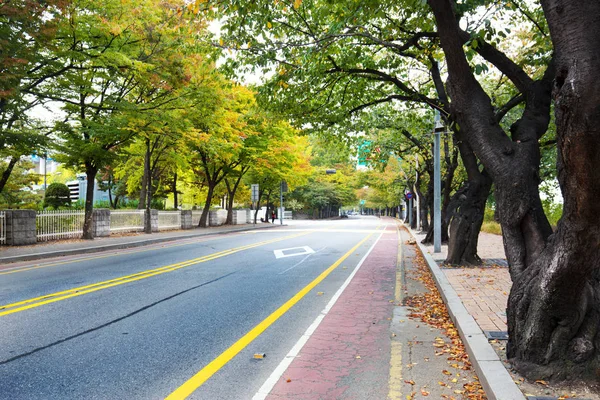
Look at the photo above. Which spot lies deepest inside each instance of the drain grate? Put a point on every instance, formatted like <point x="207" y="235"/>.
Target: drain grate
<point x="496" y="335"/>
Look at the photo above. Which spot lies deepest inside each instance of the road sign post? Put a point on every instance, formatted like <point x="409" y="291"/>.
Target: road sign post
<point x="254" y="199"/>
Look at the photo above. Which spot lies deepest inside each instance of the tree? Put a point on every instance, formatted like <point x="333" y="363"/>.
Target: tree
<point x="330" y="61"/>
<point x="27" y="61"/>
<point x="216" y="141"/>
<point x="553" y="306"/>
<point x="57" y="195"/>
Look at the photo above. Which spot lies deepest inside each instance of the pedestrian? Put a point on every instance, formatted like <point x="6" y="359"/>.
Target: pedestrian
<point x="273" y="216"/>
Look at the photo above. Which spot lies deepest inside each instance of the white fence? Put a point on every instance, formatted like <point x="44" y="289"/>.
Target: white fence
<point x="170" y="220"/>
<point x="2" y="227"/>
<point x="126" y="220"/>
<point x="59" y="224"/>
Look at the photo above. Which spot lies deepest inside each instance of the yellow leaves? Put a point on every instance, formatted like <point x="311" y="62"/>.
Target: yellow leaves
<point x="297" y="4"/>
<point x="411" y="382"/>
<point x="269" y="25"/>
<point x="424" y="392"/>
<point x="542" y="382"/>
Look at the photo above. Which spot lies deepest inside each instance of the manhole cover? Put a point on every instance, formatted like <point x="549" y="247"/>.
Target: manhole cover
<point x="496" y="335"/>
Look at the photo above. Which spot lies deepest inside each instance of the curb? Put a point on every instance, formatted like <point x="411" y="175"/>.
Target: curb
<point x="119" y="246"/>
<point x="494" y="378"/>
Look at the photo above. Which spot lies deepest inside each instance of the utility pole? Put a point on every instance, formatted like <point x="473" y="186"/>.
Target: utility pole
<point x="283" y="188"/>
<point x="437" y="213"/>
<point x="417" y="200"/>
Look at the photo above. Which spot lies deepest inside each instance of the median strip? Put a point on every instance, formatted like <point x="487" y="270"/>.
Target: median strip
<point x="79" y="291"/>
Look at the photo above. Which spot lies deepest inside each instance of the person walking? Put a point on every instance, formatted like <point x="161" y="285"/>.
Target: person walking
<point x="273" y="216"/>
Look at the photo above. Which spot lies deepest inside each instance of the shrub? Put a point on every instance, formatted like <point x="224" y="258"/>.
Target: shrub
<point x="57" y="195"/>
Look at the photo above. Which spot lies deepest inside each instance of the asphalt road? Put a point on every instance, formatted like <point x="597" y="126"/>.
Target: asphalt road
<point x="138" y="324"/>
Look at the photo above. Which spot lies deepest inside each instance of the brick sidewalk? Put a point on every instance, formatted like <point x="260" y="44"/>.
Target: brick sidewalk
<point x="483" y="291"/>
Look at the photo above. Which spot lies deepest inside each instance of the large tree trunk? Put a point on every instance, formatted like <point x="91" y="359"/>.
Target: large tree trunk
<point x="554" y="306"/>
<point x="147" y="189"/>
<point x="144" y="184"/>
<point x="90" y="172"/>
<point x="207" y="203"/>
<point x="466" y="221"/>
<point x="466" y="210"/>
<point x="175" y="197"/>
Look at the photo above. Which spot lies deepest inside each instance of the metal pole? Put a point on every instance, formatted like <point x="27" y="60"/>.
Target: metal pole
<point x="417" y="201"/>
<point x="437" y="216"/>
<point x="281" y="203"/>
<point x="410" y="217"/>
<point x="45" y="162"/>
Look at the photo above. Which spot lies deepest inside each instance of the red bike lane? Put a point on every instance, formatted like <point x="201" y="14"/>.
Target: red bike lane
<point x="348" y="355"/>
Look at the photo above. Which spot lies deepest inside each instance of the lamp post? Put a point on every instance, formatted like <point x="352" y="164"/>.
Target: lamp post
<point x="417" y="200"/>
<point x="437" y="213"/>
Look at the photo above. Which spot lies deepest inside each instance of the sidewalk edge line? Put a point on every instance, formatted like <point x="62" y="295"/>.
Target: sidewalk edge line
<point x="120" y="246"/>
<point x="272" y="380"/>
<point x="494" y="378"/>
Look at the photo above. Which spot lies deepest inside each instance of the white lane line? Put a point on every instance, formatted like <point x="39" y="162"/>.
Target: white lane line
<point x="266" y="388"/>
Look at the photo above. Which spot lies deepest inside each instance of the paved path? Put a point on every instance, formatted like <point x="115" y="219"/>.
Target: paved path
<point x="483" y="291"/>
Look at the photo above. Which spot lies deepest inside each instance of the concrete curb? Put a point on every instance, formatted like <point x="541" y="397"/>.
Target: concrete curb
<point x="125" y="245"/>
<point x="494" y="377"/>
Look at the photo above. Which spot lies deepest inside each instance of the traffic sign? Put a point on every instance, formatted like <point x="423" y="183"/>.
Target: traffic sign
<point x="254" y="192"/>
<point x="409" y="195"/>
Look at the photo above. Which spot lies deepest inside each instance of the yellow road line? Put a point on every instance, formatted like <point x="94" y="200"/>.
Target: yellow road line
<point x="79" y="291"/>
<point x="126" y="252"/>
<point x="395" y="377"/>
<point x="209" y="370"/>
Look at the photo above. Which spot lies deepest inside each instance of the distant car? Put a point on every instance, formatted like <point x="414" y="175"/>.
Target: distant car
<point x="343" y="215"/>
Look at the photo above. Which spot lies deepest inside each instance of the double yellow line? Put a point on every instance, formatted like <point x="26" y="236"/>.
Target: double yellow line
<point x="79" y="291"/>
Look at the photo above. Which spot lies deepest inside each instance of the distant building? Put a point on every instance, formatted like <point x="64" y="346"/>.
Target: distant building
<point x="78" y="189"/>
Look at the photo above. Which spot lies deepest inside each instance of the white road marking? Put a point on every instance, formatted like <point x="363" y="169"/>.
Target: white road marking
<point x="303" y="250"/>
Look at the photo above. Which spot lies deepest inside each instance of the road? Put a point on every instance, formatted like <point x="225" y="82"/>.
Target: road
<point x="138" y="324"/>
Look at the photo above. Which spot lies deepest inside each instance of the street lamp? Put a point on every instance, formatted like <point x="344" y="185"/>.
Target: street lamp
<point x="437" y="213"/>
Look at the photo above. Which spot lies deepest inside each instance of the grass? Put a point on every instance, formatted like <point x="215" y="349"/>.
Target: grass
<point x="491" y="227"/>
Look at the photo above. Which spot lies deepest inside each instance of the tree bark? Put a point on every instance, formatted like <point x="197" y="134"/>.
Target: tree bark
<point x="466" y="210"/>
<point x="175" y="197"/>
<point x="207" y="203"/>
<point x="147" y="189"/>
<point x="6" y="173"/>
<point x="144" y="185"/>
<point x="554" y="305"/>
<point x="90" y="172"/>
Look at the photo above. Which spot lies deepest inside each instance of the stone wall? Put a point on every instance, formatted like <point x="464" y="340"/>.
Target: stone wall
<point x="186" y="219"/>
<point x="240" y="217"/>
<point x="20" y="227"/>
<point x="217" y="218"/>
<point x="101" y="222"/>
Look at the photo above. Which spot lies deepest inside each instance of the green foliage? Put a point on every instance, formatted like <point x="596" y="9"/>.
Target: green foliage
<point x="57" y="195"/>
<point x="19" y="191"/>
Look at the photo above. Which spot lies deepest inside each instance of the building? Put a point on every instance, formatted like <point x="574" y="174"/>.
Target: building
<point x="78" y="189"/>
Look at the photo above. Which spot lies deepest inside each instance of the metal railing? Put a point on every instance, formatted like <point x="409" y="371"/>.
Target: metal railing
<point x="2" y="227"/>
<point x="59" y="224"/>
<point x="126" y="220"/>
<point x="169" y="220"/>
